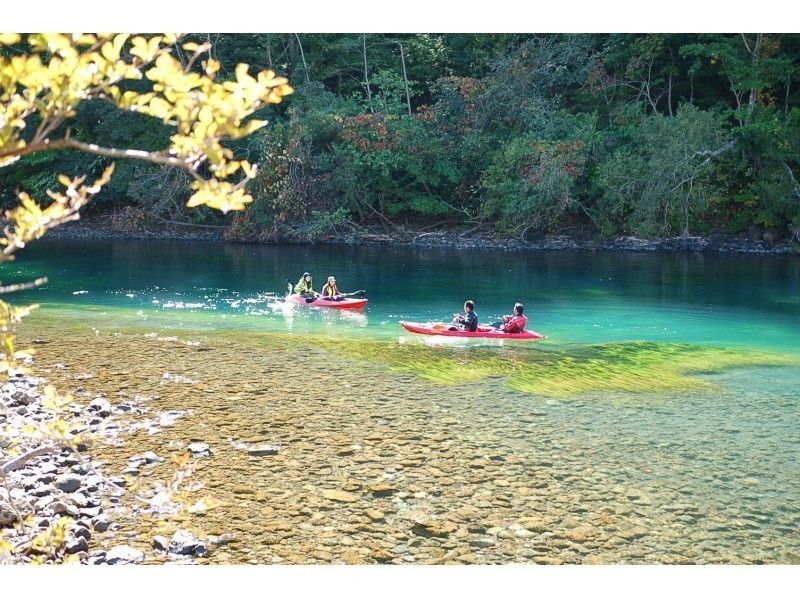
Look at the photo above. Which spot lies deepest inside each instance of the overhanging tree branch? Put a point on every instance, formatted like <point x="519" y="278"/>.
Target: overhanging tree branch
<point x="110" y="152"/>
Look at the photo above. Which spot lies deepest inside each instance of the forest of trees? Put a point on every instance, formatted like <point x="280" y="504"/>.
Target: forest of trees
<point x="527" y="135"/>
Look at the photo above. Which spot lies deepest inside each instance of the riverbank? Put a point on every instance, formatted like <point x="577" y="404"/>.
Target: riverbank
<point x="58" y="501"/>
<point x="141" y="227"/>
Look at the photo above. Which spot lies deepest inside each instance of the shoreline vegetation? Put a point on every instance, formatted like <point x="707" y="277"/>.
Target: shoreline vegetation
<point x="138" y="226"/>
<point x="650" y="136"/>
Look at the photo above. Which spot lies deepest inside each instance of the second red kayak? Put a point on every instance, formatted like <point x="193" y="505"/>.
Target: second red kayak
<point x="320" y="302"/>
<point x="441" y="329"/>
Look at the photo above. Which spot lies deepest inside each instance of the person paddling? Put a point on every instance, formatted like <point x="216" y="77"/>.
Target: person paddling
<point x="516" y="323"/>
<point x="331" y="292"/>
<point x="305" y="286"/>
<point x="469" y="321"/>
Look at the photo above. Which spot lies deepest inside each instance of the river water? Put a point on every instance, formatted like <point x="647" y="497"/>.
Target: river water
<point x="659" y="421"/>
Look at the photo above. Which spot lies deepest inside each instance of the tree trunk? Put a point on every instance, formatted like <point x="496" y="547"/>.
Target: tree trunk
<point x="405" y="76"/>
<point x="686" y="204"/>
<point x="302" y="56"/>
<point x="755" y="52"/>
<point x="669" y="94"/>
<point x="786" y="99"/>
<point x="366" y="72"/>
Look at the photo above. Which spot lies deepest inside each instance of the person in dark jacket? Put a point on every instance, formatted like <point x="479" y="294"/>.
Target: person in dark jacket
<point x="469" y="321"/>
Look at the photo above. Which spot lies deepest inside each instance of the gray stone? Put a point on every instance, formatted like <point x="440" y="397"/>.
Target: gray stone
<point x="59" y="507"/>
<point x="83" y="501"/>
<point x="101" y="407"/>
<point x="220" y="540"/>
<point x="24" y="398"/>
<point x="160" y="543"/>
<point x="121" y="555"/>
<point x="185" y="543"/>
<point x="263" y="450"/>
<point x="91" y="512"/>
<point x="100" y="523"/>
<point x="43" y="490"/>
<point x="76" y="545"/>
<point x="199" y="449"/>
<point x="81" y="532"/>
<point x="68" y="482"/>
<point x="7" y="516"/>
<point x="151" y="457"/>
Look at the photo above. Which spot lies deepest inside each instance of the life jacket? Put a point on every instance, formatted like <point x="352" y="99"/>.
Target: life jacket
<point x="328" y="291"/>
<point x="517" y="324"/>
<point x="303" y="287"/>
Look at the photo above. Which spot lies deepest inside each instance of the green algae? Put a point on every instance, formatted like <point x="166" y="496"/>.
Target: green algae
<point x="633" y="367"/>
<point x="547" y="369"/>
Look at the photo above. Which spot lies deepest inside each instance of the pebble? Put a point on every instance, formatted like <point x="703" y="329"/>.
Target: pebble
<point x="199" y="449"/>
<point x="121" y="555"/>
<point x="100" y="523"/>
<point x="263" y="450"/>
<point x="68" y="483"/>
<point x="100" y="406"/>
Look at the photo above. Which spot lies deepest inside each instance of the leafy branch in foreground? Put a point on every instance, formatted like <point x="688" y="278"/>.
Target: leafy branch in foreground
<point x="43" y="79"/>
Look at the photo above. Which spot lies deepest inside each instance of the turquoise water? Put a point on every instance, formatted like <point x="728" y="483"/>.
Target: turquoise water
<point x="577" y="297"/>
<point x="709" y="470"/>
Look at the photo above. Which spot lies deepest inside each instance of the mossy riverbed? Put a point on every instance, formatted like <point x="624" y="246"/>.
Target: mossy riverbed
<point x="405" y="452"/>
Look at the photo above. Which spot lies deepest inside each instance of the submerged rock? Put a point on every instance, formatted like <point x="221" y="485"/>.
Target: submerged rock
<point x="199" y="449"/>
<point x="263" y="450"/>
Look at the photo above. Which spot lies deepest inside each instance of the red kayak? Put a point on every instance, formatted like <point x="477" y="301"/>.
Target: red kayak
<point x="441" y="329"/>
<point x="320" y="302"/>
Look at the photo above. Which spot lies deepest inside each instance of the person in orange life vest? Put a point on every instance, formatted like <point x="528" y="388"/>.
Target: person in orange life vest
<point x="330" y="291"/>
<point x="517" y="322"/>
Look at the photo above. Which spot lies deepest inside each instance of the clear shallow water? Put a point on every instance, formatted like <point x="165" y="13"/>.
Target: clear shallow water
<point x="649" y="464"/>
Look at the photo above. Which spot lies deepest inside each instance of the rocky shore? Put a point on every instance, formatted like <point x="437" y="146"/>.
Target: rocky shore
<point x="756" y="243"/>
<point x="59" y="504"/>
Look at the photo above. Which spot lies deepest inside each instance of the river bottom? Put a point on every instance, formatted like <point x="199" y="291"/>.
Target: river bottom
<point x="380" y="464"/>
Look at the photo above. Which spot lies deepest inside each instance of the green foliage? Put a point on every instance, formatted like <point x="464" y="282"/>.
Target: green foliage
<point x="532" y="184"/>
<point x="492" y="137"/>
<point x="660" y="176"/>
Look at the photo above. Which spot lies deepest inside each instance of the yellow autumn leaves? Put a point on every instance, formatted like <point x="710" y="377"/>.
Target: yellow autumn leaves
<point x="46" y="77"/>
<point x="58" y="71"/>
